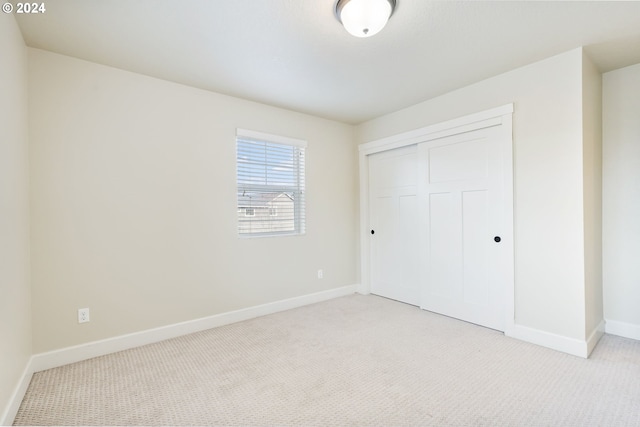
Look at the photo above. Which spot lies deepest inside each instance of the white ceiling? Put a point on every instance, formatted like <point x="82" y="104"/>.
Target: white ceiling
<point x="295" y="54"/>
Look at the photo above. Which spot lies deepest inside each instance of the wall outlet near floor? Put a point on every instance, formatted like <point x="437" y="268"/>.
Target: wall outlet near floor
<point x="320" y="274"/>
<point x="83" y="315"/>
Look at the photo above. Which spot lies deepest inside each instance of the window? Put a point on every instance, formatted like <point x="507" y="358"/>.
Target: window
<point x="270" y="177"/>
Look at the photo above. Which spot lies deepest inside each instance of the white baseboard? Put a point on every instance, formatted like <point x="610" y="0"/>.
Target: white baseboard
<point x="11" y="410"/>
<point x="362" y="289"/>
<point x="546" y="339"/>
<point x="64" y="356"/>
<point x="92" y="349"/>
<point x="595" y="336"/>
<point x="623" y="329"/>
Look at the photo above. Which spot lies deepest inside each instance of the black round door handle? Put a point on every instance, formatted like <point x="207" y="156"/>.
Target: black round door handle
<point x="373" y="232"/>
<point x="497" y="239"/>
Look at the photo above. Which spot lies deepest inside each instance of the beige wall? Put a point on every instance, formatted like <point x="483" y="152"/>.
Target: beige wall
<point x="15" y="304"/>
<point x="592" y="193"/>
<point x="548" y="181"/>
<point x="134" y="204"/>
<point x="621" y="201"/>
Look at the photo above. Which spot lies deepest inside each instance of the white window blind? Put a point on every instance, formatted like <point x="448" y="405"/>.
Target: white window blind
<point x="270" y="174"/>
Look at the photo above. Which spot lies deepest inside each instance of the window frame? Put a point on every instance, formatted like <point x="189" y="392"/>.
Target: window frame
<point x="299" y="189"/>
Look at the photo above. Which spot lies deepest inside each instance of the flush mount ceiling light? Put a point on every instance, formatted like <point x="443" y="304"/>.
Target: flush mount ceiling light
<point x="364" y="18"/>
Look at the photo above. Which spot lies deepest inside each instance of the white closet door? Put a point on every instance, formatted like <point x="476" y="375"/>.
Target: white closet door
<point x="394" y="225"/>
<point x="462" y="205"/>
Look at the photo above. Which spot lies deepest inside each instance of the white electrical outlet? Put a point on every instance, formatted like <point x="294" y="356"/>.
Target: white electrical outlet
<point x="83" y="315"/>
<point x="320" y="274"/>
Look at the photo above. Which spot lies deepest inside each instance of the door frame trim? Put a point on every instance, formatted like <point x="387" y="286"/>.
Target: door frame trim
<point x="500" y="116"/>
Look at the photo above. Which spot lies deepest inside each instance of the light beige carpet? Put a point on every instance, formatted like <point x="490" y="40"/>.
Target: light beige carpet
<point x="352" y="361"/>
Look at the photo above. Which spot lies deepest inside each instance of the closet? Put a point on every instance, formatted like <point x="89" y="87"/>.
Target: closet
<point x="437" y="215"/>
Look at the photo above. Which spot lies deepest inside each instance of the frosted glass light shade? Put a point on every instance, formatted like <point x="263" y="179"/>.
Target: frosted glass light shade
<point x="364" y="18"/>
